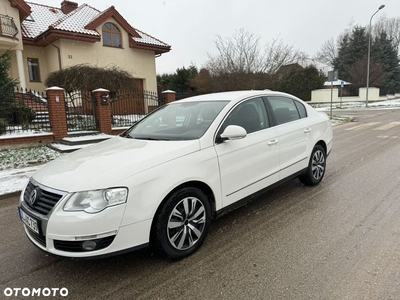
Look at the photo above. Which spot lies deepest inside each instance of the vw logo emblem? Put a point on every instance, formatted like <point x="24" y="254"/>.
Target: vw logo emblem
<point x="32" y="197"/>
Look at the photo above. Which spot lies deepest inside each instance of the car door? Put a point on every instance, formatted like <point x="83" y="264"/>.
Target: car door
<point x="249" y="164"/>
<point x="294" y="129"/>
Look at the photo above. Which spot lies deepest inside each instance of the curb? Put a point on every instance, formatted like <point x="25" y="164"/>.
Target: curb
<point x="10" y="195"/>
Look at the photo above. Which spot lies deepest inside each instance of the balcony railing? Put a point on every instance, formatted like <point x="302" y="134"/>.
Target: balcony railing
<point x="7" y="26"/>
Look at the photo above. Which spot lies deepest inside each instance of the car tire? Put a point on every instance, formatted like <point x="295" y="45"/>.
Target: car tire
<point x="182" y="223"/>
<point x="316" y="167"/>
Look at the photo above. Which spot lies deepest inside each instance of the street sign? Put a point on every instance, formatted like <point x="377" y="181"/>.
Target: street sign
<point x="342" y="84"/>
<point x="333" y="75"/>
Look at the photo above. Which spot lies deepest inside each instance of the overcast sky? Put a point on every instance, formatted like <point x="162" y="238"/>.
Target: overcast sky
<point x="191" y="27"/>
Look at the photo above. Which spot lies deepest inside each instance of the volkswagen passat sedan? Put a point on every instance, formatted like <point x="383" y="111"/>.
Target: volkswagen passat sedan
<point x="163" y="181"/>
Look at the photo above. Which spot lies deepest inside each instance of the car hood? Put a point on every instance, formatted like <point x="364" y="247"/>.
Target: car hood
<point x="107" y="163"/>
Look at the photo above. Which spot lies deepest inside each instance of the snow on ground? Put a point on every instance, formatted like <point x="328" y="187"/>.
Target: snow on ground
<point x="13" y="180"/>
<point x="16" y="166"/>
<point x="359" y="105"/>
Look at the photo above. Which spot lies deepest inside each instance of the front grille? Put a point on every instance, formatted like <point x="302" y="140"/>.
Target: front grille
<point x="44" y="201"/>
<point x="41" y="239"/>
<point x="76" y="246"/>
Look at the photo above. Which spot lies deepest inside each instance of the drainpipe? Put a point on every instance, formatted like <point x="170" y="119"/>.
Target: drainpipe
<point x="58" y="51"/>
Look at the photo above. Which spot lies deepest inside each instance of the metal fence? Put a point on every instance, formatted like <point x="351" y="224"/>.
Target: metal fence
<point x="27" y="113"/>
<point x="81" y="111"/>
<point x="129" y="107"/>
<point x="7" y="26"/>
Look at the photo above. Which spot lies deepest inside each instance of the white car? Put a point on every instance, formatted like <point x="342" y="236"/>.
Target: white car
<point x="163" y="181"/>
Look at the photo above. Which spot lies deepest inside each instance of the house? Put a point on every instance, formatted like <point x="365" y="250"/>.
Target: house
<point x="306" y="62"/>
<point x="286" y="69"/>
<point x="44" y="39"/>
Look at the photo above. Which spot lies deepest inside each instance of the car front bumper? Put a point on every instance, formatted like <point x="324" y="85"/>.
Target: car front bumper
<point x="79" y="234"/>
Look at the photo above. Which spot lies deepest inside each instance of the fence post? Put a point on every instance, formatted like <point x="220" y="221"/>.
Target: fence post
<point x="103" y="110"/>
<point x="57" y="114"/>
<point x="168" y="96"/>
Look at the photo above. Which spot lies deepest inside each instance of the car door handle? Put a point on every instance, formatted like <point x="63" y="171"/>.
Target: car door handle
<point x="307" y="130"/>
<point x="272" y="142"/>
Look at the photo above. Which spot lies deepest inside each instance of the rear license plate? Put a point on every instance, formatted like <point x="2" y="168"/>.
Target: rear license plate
<point x="29" y="221"/>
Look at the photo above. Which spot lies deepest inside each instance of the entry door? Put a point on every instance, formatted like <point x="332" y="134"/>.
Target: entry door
<point x="248" y="165"/>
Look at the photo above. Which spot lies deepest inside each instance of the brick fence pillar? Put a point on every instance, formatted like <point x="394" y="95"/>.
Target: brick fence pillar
<point x="168" y="96"/>
<point x="103" y="110"/>
<point x="57" y="113"/>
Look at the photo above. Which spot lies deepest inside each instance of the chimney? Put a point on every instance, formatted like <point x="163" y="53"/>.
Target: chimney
<point x="68" y="6"/>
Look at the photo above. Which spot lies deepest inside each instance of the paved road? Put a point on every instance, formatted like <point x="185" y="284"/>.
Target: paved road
<point x="340" y="240"/>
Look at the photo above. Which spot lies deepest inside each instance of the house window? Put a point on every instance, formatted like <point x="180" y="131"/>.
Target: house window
<point x="33" y="69"/>
<point x="111" y="35"/>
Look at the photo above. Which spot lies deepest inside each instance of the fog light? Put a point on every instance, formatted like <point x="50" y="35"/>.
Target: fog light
<point x="89" y="245"/>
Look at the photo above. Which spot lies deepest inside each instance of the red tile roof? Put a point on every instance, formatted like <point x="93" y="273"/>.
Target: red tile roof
<point x="81" y="22"/>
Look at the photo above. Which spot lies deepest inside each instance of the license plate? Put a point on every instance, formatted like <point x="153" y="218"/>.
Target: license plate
<point x="28" y="221"/>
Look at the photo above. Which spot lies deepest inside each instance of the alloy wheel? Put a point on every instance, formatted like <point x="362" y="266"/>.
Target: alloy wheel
<point x="186" y="223"/>
<point x="318" y="164"/>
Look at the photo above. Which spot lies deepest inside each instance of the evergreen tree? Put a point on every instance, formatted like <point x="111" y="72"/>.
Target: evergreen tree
<point x="384" y="50"/>
<point x="180" y="81"/>
<point x="351" y="61"/>
<point x="352" y="48"/>
<point x="12" y="112"/>
<point x="300" y="82"/>
<point x="7" y="84"/>
<point x="183" y="78"/>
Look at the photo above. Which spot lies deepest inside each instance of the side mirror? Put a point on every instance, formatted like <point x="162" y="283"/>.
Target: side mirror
<point x="232" y="132"/>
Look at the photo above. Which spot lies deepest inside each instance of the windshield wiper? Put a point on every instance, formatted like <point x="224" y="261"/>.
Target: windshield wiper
<point x="150" y="139"/>
<point x="126" y="136"/>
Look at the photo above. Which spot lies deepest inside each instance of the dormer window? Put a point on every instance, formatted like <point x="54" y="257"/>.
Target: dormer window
<point x="29" y="18"/>
<point x="111" y="35"/>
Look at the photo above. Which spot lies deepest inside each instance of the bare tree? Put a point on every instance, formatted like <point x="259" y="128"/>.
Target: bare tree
<point x="278" y="54"/>
<point x="330" y="48"/>
<point x="242" y="63"/>
<point x="238" y="54"/>
<point x="391" y="27"/>
<point x="328" y="52"/>
<point x="358" y="74"/>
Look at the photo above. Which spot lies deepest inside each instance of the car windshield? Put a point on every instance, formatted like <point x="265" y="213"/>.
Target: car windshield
<point x="177" y="121"/>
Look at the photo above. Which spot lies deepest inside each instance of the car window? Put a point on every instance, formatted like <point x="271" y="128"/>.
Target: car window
<point x="285" y="109"/>
<point x="301" y="108"/>
<point x="251" y="115"/>
<point x="177" y="121"/>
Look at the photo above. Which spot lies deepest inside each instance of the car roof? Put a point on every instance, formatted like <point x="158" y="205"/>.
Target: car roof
<point x="233" y="96"/>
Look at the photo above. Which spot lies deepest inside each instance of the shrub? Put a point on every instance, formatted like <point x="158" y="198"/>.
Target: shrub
<point x="19" y="114"/>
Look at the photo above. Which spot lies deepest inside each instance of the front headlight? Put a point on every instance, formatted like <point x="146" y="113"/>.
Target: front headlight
<point x="95" y="201"/>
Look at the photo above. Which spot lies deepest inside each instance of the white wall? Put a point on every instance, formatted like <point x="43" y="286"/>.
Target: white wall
<point x="324" y="96"/>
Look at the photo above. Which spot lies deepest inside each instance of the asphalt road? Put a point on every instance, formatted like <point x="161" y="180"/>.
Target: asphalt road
<point x="339" y="240"/>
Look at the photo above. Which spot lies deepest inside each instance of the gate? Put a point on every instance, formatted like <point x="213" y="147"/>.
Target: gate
<point x="81" y="111"/>
<point x="129" y="107"/>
